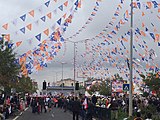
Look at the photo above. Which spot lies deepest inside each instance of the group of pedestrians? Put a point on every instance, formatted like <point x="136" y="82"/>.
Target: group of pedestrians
<point x="10" y="105"/>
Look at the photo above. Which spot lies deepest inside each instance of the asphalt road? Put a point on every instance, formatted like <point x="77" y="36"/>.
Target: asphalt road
<point x="55" y="114"/>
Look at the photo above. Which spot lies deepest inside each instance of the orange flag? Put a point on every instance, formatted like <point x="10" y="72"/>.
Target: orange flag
<point x="143" y="33"/>
<point x="46" y="32"/>
<point x="29" y="26"/>
<point x="32" y="13"/>
<point x="149" y="4"/>
<point x="159" y="10"/>
<point x="64" y="16"/>
<point x="7" y="37"/>
<point x="5" y="26"/>
<point x="55" y="0"/>
<point x="143" y="13"/>
<point x="79" y="4"/>
<point x="66" y="3"/>
<point x="127" y="14"/>
<point x="49" y="15"/>
<point x="143" y="24"/>
<point x="18" y="43"/>
<point x="157" y="37"/>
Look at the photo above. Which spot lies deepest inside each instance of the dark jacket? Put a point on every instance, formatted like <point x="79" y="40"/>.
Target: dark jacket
<point x="76" y="106"/>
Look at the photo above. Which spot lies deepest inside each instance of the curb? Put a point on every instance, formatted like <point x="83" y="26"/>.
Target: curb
<point x="20" y="114"/>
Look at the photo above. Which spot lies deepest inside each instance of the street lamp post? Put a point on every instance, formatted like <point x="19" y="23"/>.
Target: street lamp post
<point x="131" y="61"/>
<point x="62" y="74"/>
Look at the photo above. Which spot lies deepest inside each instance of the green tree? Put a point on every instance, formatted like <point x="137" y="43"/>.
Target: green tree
<point x="25" y="85"/>
<point x="152" y="80"/>
<point x="8" y="69"/>
<point x="103" y="88"/>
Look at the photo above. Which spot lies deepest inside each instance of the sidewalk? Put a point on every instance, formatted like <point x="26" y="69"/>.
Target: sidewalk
<point x="16" y="115"/>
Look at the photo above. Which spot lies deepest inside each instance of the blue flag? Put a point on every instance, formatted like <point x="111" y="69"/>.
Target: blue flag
<point x="38" y="37"/>
<point x="23" y="30"/>
<point x="59" y="21"/>
<point x="47" y="3"/>
<point x="23" y="17"/>
<point x="61" y="7"/>
<point x="10" y="45"/>
<point x="152" y="35"/>
<point x="43" y="18"/>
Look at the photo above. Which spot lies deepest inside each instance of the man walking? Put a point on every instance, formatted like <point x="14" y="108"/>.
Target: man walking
<point x="76" y="108"/>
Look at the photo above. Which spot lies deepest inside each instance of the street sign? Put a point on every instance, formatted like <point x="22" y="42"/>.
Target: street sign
<point x="125" y="87"/>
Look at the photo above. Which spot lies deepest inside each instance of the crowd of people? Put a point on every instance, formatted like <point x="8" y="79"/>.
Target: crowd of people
<point x="100" y="107"/>
<point x="12" y="105"/>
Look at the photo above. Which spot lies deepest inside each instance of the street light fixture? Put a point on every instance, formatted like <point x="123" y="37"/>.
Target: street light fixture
<point x="62" y="74"/>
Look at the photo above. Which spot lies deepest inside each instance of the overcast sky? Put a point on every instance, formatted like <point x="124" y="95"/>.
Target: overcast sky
<point x="13" y="9"/>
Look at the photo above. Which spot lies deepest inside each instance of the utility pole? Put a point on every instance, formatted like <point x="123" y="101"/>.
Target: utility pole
<point x="131" y="61"/>
<point x="74" y="69"/>
<point x="62" y="74"/>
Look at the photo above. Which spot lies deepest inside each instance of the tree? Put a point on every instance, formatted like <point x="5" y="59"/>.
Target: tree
<point x="152" y="80"/>
<point x="25" y="85"/>
<point x="8" y="68"/>
<point x="103" y="88"/>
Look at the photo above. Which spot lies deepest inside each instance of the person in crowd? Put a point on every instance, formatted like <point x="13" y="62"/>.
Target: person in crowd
<point x="65" y="102"/>
<point x="138" y="116"/>
<point x="94" y="100"/>
<point x="33" y="105"/>
<point x="76" y="108"/>
<point x="2" y="117"/>
<point x="50" y="103"/>
<point x="90" y="110"/>
<point x="114" y="108"/>
<point x="41" y="103"/>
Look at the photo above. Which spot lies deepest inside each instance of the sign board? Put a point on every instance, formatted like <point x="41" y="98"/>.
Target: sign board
<point x="125" y="87"/>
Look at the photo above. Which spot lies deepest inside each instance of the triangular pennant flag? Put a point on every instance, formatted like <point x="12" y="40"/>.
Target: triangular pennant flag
<point x="49" y="15"/>
<point x="76" y="3"/>
<point x="152" y="35"/>
<point x="32" y="13"/>
<point x="64" y="16"/>
<point x="143" y="13"/>
<point x="5" y="26"/>
<point x="61" y="7"/>
<point x="10" y="45"/>
<point x="59" y="21"/>
<point x="79" y="4"/>
<point x="23" y="17"/>
<point x="38" y="37"/>
<point x="47" y="3"/>
<point x="7" y="37"/>
<point x="46" y="32"/>
<point x="23" y="30"/>
<point x="29" y="26"/>
<point x="66" y="3"/>
<point x="55" y="0"/>
<point x="43" y="18"/>
<point x="18" y="43"/>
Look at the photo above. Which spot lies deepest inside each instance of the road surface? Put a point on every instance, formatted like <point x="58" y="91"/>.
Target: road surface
<point x="55" y="114"/>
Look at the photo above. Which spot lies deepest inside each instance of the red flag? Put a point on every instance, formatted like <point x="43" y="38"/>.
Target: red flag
<point x="66" y="3"/>
<point x="5" y="26"/>
<point x="29" y="26"/>
<point x="32" y="13"/>
<point x="85" y="103"/>
<point x="18" y="43"/>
